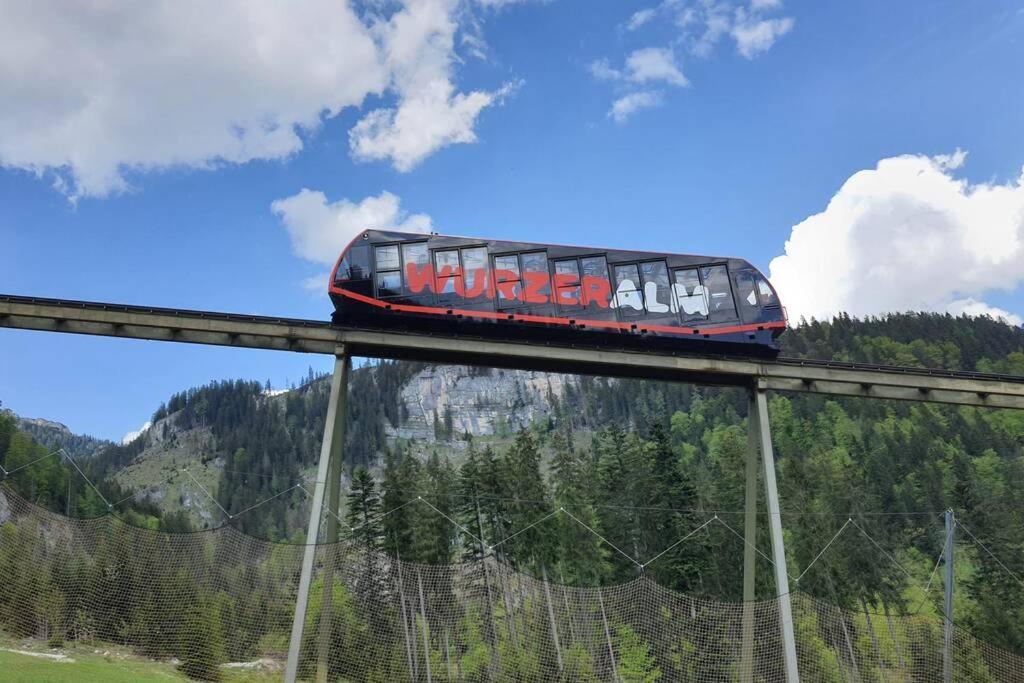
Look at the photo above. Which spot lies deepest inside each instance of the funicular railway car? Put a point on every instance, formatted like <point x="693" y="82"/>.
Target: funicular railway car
<point x="546" y="292"/>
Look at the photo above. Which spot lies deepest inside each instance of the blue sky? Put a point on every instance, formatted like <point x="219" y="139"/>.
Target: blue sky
<point x="884" y="140"/>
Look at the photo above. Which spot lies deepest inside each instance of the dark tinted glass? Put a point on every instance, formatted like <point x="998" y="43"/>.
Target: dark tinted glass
<point x="389" y="283"/>
<point x="765" y="290"/>
<point x="594" y="267"/>
<point x="656" y="290"/>
<point x="416" y="253"/>
<point x="355" y="265"/>
<point x="627" y="274"/>
<point x="720" y="305"/>
<point x="745" y="294"/>
<point x="507" y="263"/>
<point x="387" y="257"/>
<point x="446" y="259"/>
<point x="628" y="297"/>
<point x="690" y="296"/>
<point x="567" y="268"/>
<point x="535" y="262"/>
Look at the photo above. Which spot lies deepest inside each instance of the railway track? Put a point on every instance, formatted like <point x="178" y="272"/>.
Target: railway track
<point x="317" y="336"/>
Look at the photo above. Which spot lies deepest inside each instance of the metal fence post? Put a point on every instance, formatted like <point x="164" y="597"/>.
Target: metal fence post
<point x="947" y="649"/>
<point x="771" y="490"/>
<point x="750" y="536"/>
<point x="330" y="449"/>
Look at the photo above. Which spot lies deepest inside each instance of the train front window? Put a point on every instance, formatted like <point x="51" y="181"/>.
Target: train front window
<point x="628" y="297"/>
<point x="355" y="265"/>
<point x="387" y="258"/>
<point x="767" y="295"/>
<point x="567" y="284"/>
<point x="746" y="296"/>
<point x="449" y="271"/>
<point x="656" y="291"/>
<point x="474" y="269"/>
<point x="508" y="281"/>
<point x="720" y="303"/>
<point x="691" y="296"/>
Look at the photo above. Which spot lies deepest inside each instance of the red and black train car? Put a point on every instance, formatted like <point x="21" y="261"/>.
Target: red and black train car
<point x="547" y="292"/>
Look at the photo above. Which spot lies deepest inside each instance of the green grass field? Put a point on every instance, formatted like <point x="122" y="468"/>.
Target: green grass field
<point x="89" y="666"/>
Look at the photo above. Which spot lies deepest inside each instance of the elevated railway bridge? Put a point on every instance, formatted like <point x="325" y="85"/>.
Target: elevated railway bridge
<point x="343" y="342"/>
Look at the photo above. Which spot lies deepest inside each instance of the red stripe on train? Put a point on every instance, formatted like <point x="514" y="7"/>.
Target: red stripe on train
<point x="432" y="310"/>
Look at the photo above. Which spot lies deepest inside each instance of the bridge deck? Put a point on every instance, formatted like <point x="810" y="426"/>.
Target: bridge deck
<point x="311" y="336"/>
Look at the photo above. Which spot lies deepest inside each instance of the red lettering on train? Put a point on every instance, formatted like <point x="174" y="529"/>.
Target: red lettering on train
<point x="535" y="283"/>
<point x="418" y="279"/>
<point x="507" y="285"/>
<point x="479" y="285"/>
<point x="596" y="290"/>
<point x="566" y="288"/>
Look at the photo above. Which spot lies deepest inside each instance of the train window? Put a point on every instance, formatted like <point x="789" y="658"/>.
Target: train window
<point x="767" y="295"/>
<point x="746" y="296"/>
<point x="567" y="284"/>
<point x="720" y="303"/>
<point x="474" y="269"/>
<point x="417" y="275"/>
<point x="448" y="270"/>
<point x="416" y="252"/>
<point x="596" y="288"/>
<point x="389" y="283"/>
<point x="691" y="296"/>
<point x="536" y="281"/>
<point x="355" y="265"/>
<point x="656" y="291"/>
<point x="389" y="275"/>
<point x="628" y="297"/>
<point x="508" y="282"/>
<point x="387" y="258"/>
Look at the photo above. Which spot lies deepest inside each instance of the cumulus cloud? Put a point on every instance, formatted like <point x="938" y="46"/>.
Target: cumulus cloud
<point x="907" y="235"/>
<point x="627" y="105"/>
<point x="92" y="92"/>
<point x="131" y="436"/>
<point x="418" y="50"/>
<point x="320" y="229"/>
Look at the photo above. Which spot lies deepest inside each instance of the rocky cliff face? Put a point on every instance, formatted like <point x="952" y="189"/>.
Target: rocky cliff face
<point x="54" y="435"/>
<point x="480" y="402"/>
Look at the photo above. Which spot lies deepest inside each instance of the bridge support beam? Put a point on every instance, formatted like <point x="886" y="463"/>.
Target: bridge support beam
<point x="328" y="481"/>
<point x="761" y="443"/>
<point x="750" y="547"/>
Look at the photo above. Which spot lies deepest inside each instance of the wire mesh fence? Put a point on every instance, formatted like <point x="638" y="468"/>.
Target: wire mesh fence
<point x="217" y="596"/>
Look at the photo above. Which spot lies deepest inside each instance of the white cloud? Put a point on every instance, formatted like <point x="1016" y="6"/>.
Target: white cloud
<point x="647" y="65"/>
<point x="973" y="307"/>
<point x="906" y="235"/>
<point x="701" y="25"/>
<point x="131" y="436"/>
<point x="91" y="92"/>
<point x="319" y="229"/>
<point x="418" y="49"/>
<point x="640" y="18"/>
<point x="654" y="64"/>
<point x="755" y="37"/>
<point x="627" y="105"/>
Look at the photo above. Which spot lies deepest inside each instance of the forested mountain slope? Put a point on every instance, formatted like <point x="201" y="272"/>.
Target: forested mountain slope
<point x="642" y="463"/>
